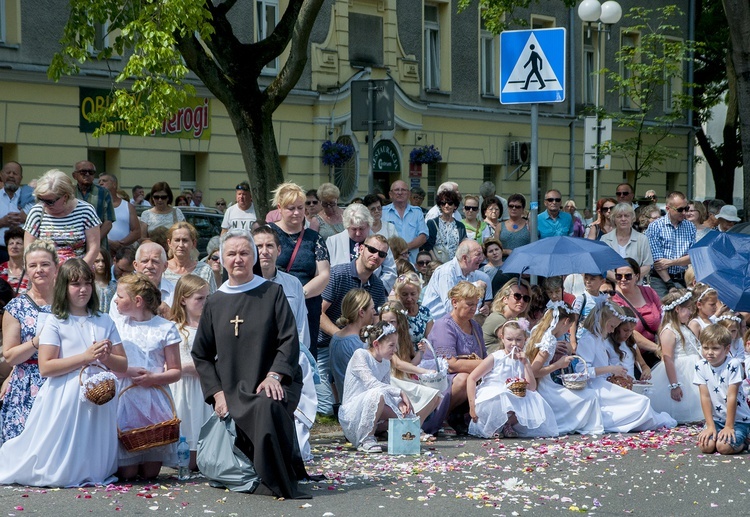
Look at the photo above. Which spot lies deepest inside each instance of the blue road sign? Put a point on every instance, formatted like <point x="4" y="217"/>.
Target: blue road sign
<point x="532" y="66"/>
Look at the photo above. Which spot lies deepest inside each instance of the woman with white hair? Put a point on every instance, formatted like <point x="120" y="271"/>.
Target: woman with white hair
<point x="330" y="219"/>
<point x="626" y="241"/>
<point x="70" y="223"/>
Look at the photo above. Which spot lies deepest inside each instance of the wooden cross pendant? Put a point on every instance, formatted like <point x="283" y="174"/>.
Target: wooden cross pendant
<point x="237" y="322"/>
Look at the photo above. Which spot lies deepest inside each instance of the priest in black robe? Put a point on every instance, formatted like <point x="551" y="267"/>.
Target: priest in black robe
<point x="246" y="352"/>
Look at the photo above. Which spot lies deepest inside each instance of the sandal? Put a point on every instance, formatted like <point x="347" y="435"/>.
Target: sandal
<point x="370" y="446"/>
<point x="427" y="438"/>
<point x="509" y="432"/>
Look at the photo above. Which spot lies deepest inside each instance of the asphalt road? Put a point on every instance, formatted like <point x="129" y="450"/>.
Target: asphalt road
<point x="647" y="474"/>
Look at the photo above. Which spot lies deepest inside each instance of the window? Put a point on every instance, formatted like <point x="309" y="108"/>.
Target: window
<point x="187" y="169"/>
<point x="101" y="38"/>
<point x="346" y="177"/>
<point x="431" y="48"/>
<point x="489" y="61"/>
<point x="99" y="158"/>
<point x="3" y="21"/>
<point x="672" y="76"/>
<point x="628" y="45"/>
<point x="487" y="174"/>
<point x="590" y="76"/>
<point x="267" y="15"/>
<point x="542" y="22"/>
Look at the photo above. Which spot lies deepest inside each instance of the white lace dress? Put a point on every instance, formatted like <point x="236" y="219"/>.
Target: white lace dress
<point x="576" y="411"/>
<point x="191" y="407"/>
<point x="144" y="343"/>
<point x="623" y="411"/>
<point x="366" y="381"/>
<point x="493" y="402"/>
<point x="685" y="356"/>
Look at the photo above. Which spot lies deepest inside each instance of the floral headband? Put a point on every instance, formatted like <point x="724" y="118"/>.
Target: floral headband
<point x="618" y="312"/>
<point x="403" y="279"/>
<point x="704" y="293"/>
<point x="523" y="323"/>
<point x="679" y="301"/>
<point x="730" y="317"/>
<point x="388" y="329"/>
<point x="387" y="308"/>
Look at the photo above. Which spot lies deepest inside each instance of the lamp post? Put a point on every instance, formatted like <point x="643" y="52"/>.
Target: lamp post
<point x="604" y="15"/>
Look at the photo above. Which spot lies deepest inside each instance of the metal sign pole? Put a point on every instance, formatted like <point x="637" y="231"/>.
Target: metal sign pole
<point x="534" y="206"/>
<point x="371" y="136"/>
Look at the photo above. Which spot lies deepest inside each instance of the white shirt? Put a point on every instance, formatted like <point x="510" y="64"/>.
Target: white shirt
<point x="235" y="217"/>
<point x="167" y="296"/>
<point x="7" y="205"/>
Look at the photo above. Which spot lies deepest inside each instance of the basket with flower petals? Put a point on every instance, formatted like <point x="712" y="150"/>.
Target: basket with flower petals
<point x="517" y="386"/>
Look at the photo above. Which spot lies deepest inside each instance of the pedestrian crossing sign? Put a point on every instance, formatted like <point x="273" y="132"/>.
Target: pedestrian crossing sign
<point x="532" y="66"/>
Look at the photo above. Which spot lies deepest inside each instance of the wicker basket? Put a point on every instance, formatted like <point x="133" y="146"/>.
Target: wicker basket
<point x="100" y="392"/>
<point x="578" y="380"/>
<point x="517" y="388"/>
<point x="437" y="380"/>
<point x="150" y="436"/>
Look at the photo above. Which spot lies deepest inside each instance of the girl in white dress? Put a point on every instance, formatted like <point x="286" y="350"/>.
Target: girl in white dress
<point x="576" y="411"/>
<point x="153" y="348"/>
<point x="494" y="410"/>
<point x="623" y="411"/>
<point x="404" y="364"/>
<point x="706" y="301"/>
<point x="369" y="400"/>
<point x="190" y="295"/>
<point x="622" y="348"/>
<point x="673" y="390"/>
<point x="69" y="441"/>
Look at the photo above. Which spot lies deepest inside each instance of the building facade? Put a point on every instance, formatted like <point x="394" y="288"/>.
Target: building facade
<point x="446" y="74"/>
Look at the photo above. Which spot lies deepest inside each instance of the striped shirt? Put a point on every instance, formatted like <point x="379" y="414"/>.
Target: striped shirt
<point x="67" y="232"/>
<point x="671" y="242"/>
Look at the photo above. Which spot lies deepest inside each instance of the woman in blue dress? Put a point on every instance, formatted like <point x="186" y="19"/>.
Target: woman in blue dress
<point x="22" y="324"/>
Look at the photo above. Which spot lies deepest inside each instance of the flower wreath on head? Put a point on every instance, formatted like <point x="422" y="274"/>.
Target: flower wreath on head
<point x="617" y="311"/>
<point x="704" y="293"/>
<point x="387" y="308"/>
<point x="388" y="329"/>
<point x="729" y="317"/>
<point x="548" y="342"/>
<point x="679" y="301"/>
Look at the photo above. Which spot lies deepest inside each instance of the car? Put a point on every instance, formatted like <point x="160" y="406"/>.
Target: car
<point x="207" y="222"/>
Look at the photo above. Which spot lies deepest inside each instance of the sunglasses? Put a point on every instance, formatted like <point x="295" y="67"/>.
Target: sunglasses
<point x="423" y="262"/>
<point x="310" y="203"/>
<point x="626" y="276"/>
<point x="553" y="199"/>
<point x="622" y="194"/>
<point x="87" y="172"/>
<point x="679" y="209"/>
<point x="515" y="207"/>
<point x="328" y="205"/>
<point x="220" y="204"/>
<point x="444" y="203"/>
<point x="518" y="297"/>
<point x="160" y="197"/>
<point x="214" y="258"/>
<point x="471" y="208"/>
<point x="373" y="249"/>
<point x="607" y="208"/>
<point x="608" y="293"/>
<point x="49" y="202"/>
<point x="651" y="197"/>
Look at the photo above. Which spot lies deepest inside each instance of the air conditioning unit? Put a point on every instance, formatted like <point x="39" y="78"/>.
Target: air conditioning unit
<point x="519" y="153"/>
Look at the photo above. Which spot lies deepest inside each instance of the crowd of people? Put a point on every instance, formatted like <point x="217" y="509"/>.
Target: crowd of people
<point x="377" y="310"/>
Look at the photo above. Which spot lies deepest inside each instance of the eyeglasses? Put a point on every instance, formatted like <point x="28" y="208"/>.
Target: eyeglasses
<point x="622" y="194"/>
<point x="626" y="276"/>
<point x="373" y="249"/>
<point x="553" y="199"/>
<point x="86" y="172"/>
<point x="607" y="208"/>
<point x="160" y="197"/>
<point x="49" y="202"/>
<point x="423" y="262"/>
<point x="444" y="203"/>
<point x="471" y="208"/>
<point x="220" y="203"/>
<point x="328" y="204"/>
<point x="608" y="292"/>
<point x="680" y="209"/>
<point x="515" y="207"/>
<point x="310" y="203"/>
<point x="518" y="297"/>
<point x="214" y="258"/>
<point x="651" y="197"/>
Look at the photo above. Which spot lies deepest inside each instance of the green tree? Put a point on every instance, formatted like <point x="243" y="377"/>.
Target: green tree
<point x="160" y="42"/>
<point x="650" y="84"/>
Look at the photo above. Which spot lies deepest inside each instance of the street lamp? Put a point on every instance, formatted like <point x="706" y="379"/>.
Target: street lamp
<point x="604" y="15"/>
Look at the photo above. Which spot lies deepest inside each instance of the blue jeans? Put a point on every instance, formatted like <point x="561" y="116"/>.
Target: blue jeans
<point x="325" y="394"/>
<point x="741" y="432"/>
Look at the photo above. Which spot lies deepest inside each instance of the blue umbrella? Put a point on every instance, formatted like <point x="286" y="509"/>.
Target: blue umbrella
<point x="555" y="256"/>
<point x="722" y="260"/>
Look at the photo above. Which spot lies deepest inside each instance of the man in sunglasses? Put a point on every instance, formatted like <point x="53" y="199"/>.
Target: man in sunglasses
<point x="625" y="194"/>
<point x="84" y="172"/>
<point x="554" y="222"/>
<point x="669" y="238"/>
<point x="357" y="274"/>
<point x="242" y="214"/>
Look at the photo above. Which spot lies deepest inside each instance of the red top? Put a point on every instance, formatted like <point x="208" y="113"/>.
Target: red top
<point x="651" y="311"/>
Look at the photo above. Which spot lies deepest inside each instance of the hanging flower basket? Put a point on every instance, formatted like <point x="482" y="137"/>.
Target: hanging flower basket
<point x="336" y="154"/>
<point x="425" y="154"/>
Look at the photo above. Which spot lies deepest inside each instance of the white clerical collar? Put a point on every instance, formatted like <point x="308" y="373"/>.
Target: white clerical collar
<point x="236" y="289"/>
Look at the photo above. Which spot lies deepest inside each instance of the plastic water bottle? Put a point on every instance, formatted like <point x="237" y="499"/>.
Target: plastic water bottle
<point x="183" y="459"/>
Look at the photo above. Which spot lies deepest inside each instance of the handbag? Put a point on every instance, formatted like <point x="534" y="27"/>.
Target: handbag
<point x="403" y="435"/>
<point x="219" y="459"/>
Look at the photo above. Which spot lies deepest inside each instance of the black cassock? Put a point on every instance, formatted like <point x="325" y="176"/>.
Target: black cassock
<point x="266" y="341"/>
